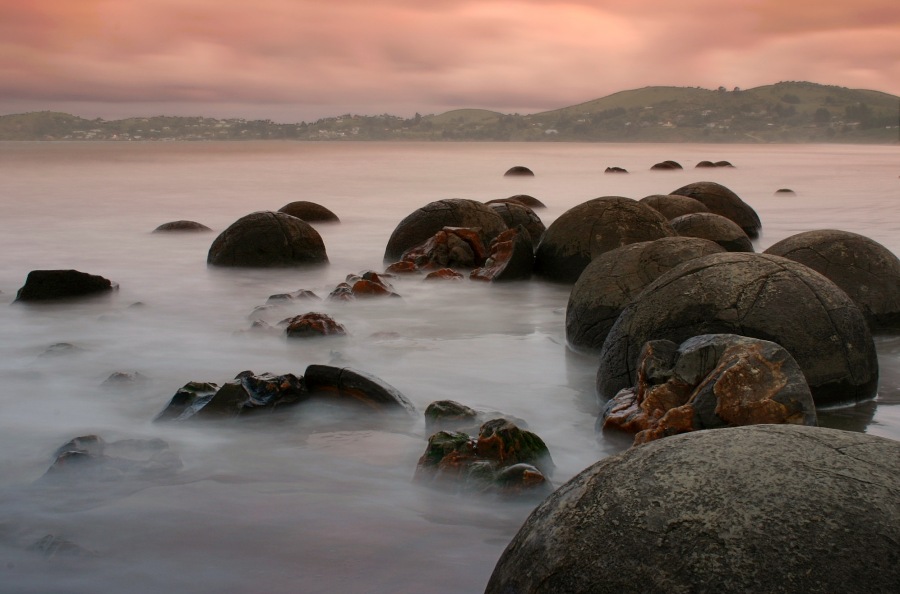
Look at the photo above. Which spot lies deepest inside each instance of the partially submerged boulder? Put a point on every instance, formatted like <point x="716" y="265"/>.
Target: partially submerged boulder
<point x="523" y="199"/>
<point x="309" y="212"/>
<point x="511" y="258"/>
<point x="765" y="508"/>
<point x="713" y="227"/>
<point x="363" y="285"/>
<point x="353" y="385"/>
<point x="179" y="226"/>
<point x="756" y="295"/>
<point x="48" y="285"/>
<point x="672" y="205"/>
<point x="515" y="214"/>
<point x="519" y="170"/>
<point x="91" y="458"/>
<point x="722" y="201"/>
<point x="311" y="325"/>
<point x="268" y="239"/>
<point x="592" y="228"/>
<point x="709" y="382"/>
<point x="451" y="247"/>
<point x="667" y="165"/>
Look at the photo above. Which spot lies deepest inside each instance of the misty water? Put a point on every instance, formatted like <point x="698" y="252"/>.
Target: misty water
<point x="320" y="499"/>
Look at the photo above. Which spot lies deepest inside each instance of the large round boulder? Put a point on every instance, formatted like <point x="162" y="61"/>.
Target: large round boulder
<point x="524" y="199"/>
<point x="672" y="205"/>
<point x="765" y="508"/>
<point x="592" y="228"/>
<point x="866" y="270"/>
<point x="267" y="238"/>
<point x="756" y="295"/>
<point x="713" y="227"/>
<point x="177" y="226"/>
<point x="422" y="224"/>
<point x="309" y="212"/>
<point x="47" y="285"/>
<point x="515" y="214"/>
<point x="614" y="278"/>
<point x="722" y="201"/>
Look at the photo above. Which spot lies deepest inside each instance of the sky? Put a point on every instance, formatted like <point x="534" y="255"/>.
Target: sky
<point x="300" y="60"/>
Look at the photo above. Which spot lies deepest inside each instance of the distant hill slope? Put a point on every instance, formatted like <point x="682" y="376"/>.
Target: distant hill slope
<point x="782" y="112"/>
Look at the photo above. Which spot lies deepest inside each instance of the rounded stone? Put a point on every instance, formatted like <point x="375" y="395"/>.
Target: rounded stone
<point x="420" y="225"/>
<point x="866" y="270"/>
<point x="756" y="295"/>
<point x="525" y="199"/>
<point x="722" y="201"/>
<point x="309" y="212"/>
<point x="764" y="508"/>
<point x="713" y="227"/>
<point x="519" y="170"/>
<point x="592" y="228"/>
<point x="515" y="214"/>
<point x="672" y="205"/>
<point x="614" y="278"/>
<point x="181" y="226"/>
<point x="268" y="239"/>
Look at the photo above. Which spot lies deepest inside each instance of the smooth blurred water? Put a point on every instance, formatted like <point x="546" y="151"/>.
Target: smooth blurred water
<point x="319" y="501"/>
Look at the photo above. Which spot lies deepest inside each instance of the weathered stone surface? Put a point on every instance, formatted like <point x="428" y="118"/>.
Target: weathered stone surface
<point x="671" y="205"/>
<point x="363" y="285"/>
<point x="424" y="223"/>
<point x="515" y="214"/>
<point x="309" y="212"/>
<point x="511" y="258"/>
<point x="503" y="459"/>
<point x="523" y="199"/>
<point x="866" y="270"/>
<point x="709" y="382"/>
<point x="450" y="247"/>
<point x="615" y="170"/>
<point x="444" y="274"/>
<point x="614" y="278"/>
<point x="722" y="201"/>
<point x="249" y="393"/>
<point x="710" y="164"/>
<point x="268" y="239"/>
<point x="181" y="226"/>
<point x="312" y="324"/>
<point x="189" y="399"/>
<point x="47" y="285"/>
<point x="356" y="386"/>
<point x="756" y="295"/>
<point x="666" y="166"/>
<point x="443" y="415"/>
<point x="592" y="228"/>
<point x="519" y="170"/>
<point x="713" y="227"/>
<point x="766" y="508"/>
<point x="90" y="458"/>
<point x="298" y="295"/>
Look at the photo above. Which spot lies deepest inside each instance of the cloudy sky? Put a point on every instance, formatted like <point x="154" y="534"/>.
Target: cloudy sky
<point x="293" y="60"/>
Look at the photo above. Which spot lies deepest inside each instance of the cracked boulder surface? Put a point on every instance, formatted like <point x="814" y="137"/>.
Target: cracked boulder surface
<point x="709" y="382"/>
<point x="614" y="278"/>
<point x="515" y="214"/>
<point x="310" y="212"/>
<point x="713" y="227"/>
<point x="423" y="223"/>
<point x="756" y="295"/>
<point x="866" y="270"/>
<point x="672" y="205"/>
<point x="268" y="239"/>
<point x="766" y="508"/>
<point x="592" y="228"/>
<point x="723" y="201"/>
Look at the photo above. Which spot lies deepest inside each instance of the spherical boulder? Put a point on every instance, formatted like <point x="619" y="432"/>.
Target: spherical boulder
<point x="614" y="278"/>
<point x="525" y="199"/>
<point x="765" y="508"/>
<point x="672" y="205"/>
<point x="515" y="214"/>
<point x="667" y="165"/>
<point x="267" y="239"/>
<point x="422" y="224"/>
<point x="722" y="201"/>
<point x="592" y="228"/>
<point x="309" y="212"/>
<point x="713" y="227"/>
<point x="519" y="170"/>
<point x="756" y="295"/>
<point x="181" y="226"/>
<point x="866" y="270"/>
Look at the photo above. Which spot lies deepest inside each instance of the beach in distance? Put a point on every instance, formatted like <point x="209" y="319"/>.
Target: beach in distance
<point x="322" y="500"/>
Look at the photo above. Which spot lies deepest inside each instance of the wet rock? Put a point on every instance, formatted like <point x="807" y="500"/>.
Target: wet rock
<point x="765" y="508"/>
<point x="60" y="349"/>
<point x="722" y="201"/>
<point x="709" y="382"/>
<point x="298" y="295"/>
<point x="710" y="164"/>
<point x="444" y="274"/>
<point x="352" y="385"/>
<point x="450" y="247"/>
<point x="515" y="214"/>
<point x="511" y="258"/>
<point x="126" y="379"/>
<point x="362" y="285"/>
<point x="179" y="226"/>
<point x="250" y="393"/>
<point x="503" y="459"/>
<point x="519" y="170"/>
<point x="666" y="166"/>
<point x="268" y="239"/>
<point x="309" y="212"/>
<point x="311" y="325"/>
<point x="713" y="227"/>
<point x="523" y="199"/>
<point x="866" y="270"/>
<point x="402" y="268"/>
<point x="51" y="546"/>
<point x="785" y="192"/>
<point x="615" y="170"/>
<point x="47" y="285"/>
<point x="592" y="228"/>
<point x="91" y="458"/>
<point x="187" y="401"/>
<point x="445" y="415"/>
<point x="421" y="225"/>
<point x="672" y="206"/>
<point x="614" y="278"/>
<point x="756" y="295"/>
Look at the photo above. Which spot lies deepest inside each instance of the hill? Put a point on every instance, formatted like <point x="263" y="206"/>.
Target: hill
<point x="782" y="112"/>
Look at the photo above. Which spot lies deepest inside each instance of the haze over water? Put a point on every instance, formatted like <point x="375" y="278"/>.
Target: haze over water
<point x="321" y="499"/>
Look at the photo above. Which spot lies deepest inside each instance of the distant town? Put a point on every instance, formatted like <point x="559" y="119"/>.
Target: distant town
<point x="784" y="112"/>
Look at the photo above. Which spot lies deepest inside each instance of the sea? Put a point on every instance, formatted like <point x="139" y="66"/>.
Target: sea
<point x="321" y="499"/>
